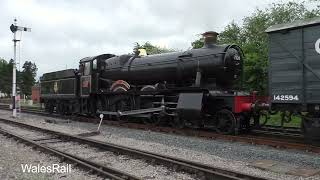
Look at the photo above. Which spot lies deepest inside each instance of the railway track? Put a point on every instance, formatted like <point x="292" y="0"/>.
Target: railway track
<point x="92" y="167"/>
<point x="198" y="170"/>
<point x="291" y="138"/>
<point x="275" y="139"/>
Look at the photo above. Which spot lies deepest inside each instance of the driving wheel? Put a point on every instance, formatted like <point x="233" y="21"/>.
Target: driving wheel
<point x="225" y="122"/>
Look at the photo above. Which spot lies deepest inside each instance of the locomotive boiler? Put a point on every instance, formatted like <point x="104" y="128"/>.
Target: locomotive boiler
<point x="219" y="64"/>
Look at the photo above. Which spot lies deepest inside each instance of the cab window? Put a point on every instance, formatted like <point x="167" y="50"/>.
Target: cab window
<point x="94" y="64"/>
<point x="87" y="68"/>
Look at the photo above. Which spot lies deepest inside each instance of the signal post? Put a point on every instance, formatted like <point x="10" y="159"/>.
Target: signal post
<point x="14" y="28"/>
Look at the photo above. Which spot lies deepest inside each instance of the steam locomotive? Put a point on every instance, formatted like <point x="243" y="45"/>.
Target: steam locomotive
<point x="197" y="88"/>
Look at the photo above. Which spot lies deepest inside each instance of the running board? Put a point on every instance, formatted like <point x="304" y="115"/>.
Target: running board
<point x="133" y="112"/>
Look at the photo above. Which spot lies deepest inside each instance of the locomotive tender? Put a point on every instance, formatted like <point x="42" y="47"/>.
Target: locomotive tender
<point x="197" y="87"/>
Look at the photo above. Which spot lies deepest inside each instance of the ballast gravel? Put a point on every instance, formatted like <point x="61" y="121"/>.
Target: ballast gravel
<point x="218" y="153"/>
<point x="14" y="155"/>
<point x="126" y="164"/>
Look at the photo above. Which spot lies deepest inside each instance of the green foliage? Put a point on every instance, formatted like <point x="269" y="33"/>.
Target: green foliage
<point x="151" y="49"/>
<point x="275" y="120"/>
<point x="231" y="34"/>
<point x="25" y="79"/>
<point x="253" y="40"/>
<point x="197" y="43"/>
<point x="6" y="76"/>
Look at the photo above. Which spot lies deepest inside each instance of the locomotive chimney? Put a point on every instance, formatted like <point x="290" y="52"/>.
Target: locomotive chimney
<point x="210" y="38"/>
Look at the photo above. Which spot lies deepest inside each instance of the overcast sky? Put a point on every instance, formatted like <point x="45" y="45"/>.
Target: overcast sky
<point x="65" y="31"/>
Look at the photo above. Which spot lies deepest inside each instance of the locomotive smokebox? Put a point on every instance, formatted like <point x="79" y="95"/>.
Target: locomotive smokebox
<point x="210" y="38"/>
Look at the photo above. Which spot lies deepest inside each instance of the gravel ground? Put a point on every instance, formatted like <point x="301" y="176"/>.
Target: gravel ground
<point x="14" y="154"/>
<point x="135" y="167"/>
<point x="218" y="153"/>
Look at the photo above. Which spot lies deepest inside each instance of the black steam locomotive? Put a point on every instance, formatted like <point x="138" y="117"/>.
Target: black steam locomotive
<point x="191" y="88"/>
<point x="194" y="88"/>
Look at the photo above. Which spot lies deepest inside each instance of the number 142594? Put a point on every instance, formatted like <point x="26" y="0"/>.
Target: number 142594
<point x="286" y="97"/>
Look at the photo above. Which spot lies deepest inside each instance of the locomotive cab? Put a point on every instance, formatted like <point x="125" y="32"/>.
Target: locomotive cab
<point x="90" y="68"/>
<point x="86" y="69"/>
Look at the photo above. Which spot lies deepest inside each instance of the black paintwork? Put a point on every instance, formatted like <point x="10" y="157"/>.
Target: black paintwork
<point x="190" y="106"/>
<point x="58" y="75"/>
<point x="223" y="63"/>
<point x="60" y="84"/>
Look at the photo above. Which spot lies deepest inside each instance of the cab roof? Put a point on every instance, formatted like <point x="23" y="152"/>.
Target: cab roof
<point x="101" y="56"/>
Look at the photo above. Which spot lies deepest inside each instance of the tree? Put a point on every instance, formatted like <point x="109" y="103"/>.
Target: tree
<point x="151" y="49"/>
<point x="27" y="77"/>
<point x="3" y="66"/>
<point x="231" y="34"/>
<point x="197" y="43"/>
<point x="253" y="40"/>
<point x="6" y="76"/>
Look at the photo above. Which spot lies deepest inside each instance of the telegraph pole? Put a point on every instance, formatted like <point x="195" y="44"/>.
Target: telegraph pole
<point x="14" y="28"/>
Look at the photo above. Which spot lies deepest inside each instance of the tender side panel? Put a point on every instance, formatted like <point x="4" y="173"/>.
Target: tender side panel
<point x="62" y="88"/>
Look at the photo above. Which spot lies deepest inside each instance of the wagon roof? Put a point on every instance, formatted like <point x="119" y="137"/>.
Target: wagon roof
<point x="294" y="24"/>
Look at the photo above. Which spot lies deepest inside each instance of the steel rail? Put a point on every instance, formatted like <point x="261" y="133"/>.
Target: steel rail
<point x="99" y="169"/>
<point x="202" y="171"/>
<point x="274" y="139"/>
